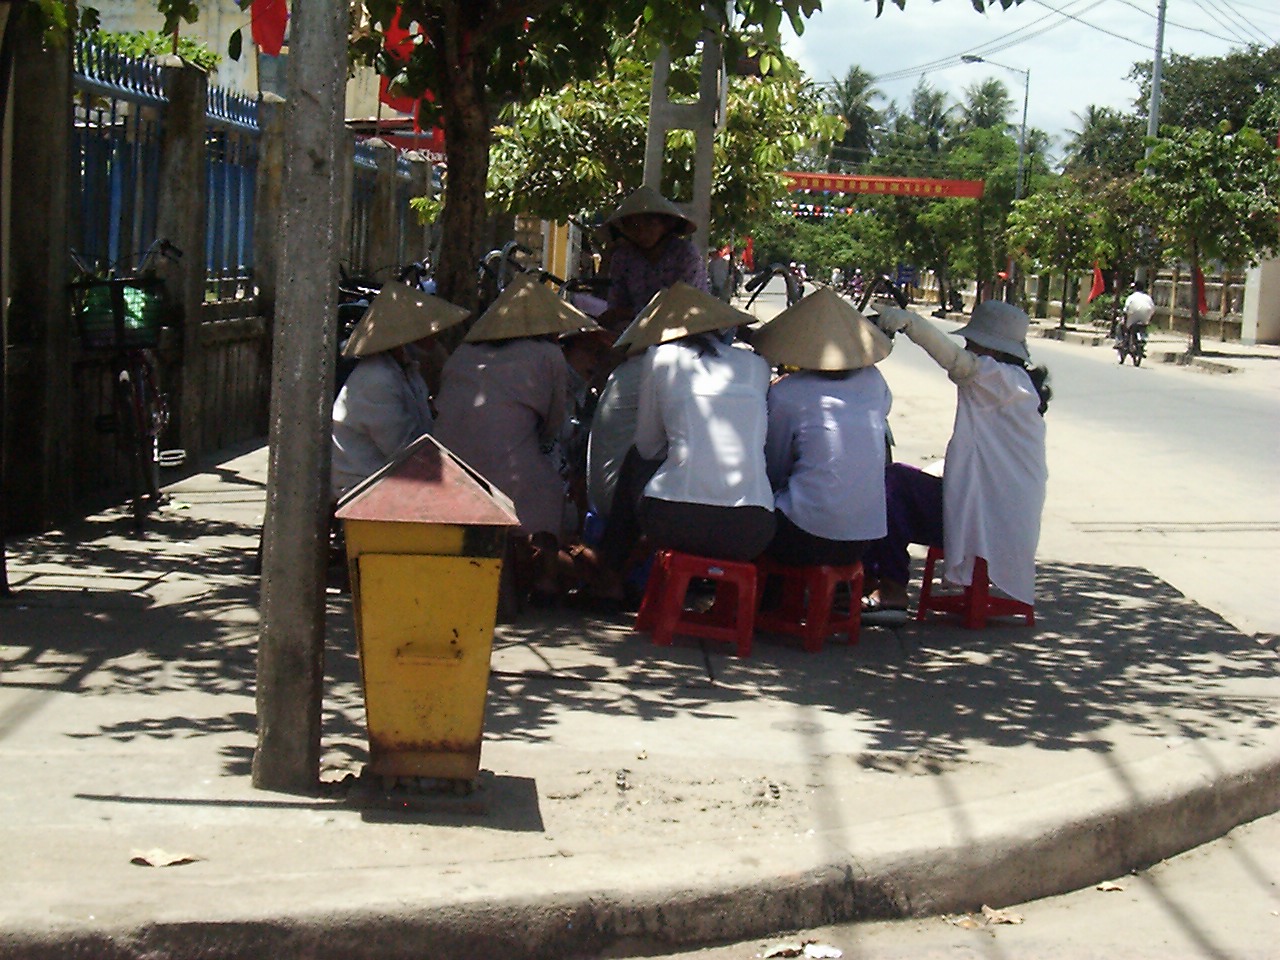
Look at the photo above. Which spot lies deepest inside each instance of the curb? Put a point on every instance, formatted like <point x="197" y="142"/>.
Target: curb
<point x="1177" y="357"/>
<point x="1034" y="857"/>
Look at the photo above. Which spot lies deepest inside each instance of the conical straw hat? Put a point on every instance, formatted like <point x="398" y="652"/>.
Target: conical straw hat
<point x="821" y="332"/>
<point x="645" y="199"/>
<point x="399" y="314"/>
<point x="528" y="308"/>
<point x="678" y="311"/>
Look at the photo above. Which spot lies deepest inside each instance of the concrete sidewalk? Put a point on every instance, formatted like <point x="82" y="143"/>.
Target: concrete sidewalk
<point x="632" y="797"/>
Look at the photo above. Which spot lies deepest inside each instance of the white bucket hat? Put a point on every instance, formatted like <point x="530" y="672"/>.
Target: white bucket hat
<point x="998" y="326"/>
<point x="528" y="308"/>
<point x="399" y="314"/>
<point x="678" y="311"/>
<point x="645" y="199"/>
<point x="821" y="332"/>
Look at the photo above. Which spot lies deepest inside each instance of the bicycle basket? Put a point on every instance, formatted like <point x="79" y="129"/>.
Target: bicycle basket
<point x="119" y="314"/>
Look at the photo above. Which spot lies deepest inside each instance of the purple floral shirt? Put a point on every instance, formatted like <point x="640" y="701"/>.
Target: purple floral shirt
<point x="635" y="279"/>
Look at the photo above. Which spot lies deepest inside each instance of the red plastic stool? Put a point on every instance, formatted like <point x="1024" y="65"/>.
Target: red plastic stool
<point x="731" y="618"/>
<point x="975" y="604"/>
<point x="807" y="597"/>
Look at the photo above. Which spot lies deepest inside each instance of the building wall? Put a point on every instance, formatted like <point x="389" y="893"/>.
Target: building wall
<point x="218" y="20"/>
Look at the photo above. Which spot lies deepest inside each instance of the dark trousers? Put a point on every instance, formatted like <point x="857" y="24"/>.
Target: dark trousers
<point x="913" y="505"/>
<point x="726" y="533"/>
<point x="796" y="547"/>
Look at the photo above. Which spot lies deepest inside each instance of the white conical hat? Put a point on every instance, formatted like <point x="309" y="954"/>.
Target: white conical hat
<point x="999" y="326"/>
<point x="645" y="199"/>
<point x="400" y="314"/>
<point x="528" y="308"/>
<point x="821" y="332"/>
<point x="678" y="311"/>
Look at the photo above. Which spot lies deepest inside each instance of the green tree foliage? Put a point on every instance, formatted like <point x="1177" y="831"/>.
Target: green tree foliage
<point x="580" y="149"/>
<point x="853" y="99"/>
<point x="862" y="239"/>
<point x="1057" y="230"/>
<point x="1215" y="194"/>
<point x="149" y="43"/>
<point x="1106" y="140"/>
<point x="986" y="104"/>
<point x="1207" y="91"/>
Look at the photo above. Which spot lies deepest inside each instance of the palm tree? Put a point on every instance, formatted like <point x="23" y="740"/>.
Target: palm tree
<point x="1106" y="140"/>
<point x="986" y="106"/>
<point x="853" y="101"/>
<point x="931" y="113"/>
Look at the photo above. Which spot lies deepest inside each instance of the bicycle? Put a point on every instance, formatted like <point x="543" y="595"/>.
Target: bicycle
<point x="790" y="277"/>
<point x="124" y="315"/>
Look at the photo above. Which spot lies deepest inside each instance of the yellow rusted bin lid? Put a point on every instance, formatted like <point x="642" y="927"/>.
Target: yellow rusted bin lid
<point x="425" y="539"/>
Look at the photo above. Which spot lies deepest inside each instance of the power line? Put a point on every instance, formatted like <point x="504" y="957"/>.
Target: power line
<point x="995" y="46"/>
<point x="1236" y="23"/>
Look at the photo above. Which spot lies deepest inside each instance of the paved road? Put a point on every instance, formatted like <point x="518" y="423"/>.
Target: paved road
<point x="1217" y="902"/>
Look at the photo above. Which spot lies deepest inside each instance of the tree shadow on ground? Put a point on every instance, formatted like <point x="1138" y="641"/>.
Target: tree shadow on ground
<point x="1111" y="645"/>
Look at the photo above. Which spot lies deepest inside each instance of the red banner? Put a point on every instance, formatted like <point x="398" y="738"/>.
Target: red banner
<point x="267" y="22"/>
<point x="901" y="186"/>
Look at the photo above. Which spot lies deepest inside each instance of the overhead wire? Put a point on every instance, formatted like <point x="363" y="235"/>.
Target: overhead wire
<point x="1249" y="35"/>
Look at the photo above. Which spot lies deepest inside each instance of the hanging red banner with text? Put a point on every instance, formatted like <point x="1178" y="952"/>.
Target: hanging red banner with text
<point x="900" y="186"/>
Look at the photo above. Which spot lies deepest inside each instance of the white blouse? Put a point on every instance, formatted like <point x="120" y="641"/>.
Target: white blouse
<point x="826" y="452"/>
<point x="703" y="413"/>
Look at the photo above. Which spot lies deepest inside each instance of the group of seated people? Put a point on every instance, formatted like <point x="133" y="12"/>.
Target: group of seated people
<point x="691" y="430"/>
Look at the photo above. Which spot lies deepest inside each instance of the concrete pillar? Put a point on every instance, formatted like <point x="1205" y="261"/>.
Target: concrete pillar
<point x="37" y="328"/>
<point x="295" y="542"/>
<point x="384" y="225"/>
<point x="702" y="117"/>
<point x="1260" y="318"/>
<point x="183" y="209"/>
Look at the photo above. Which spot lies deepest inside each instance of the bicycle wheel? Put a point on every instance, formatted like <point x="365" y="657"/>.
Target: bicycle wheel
<point x="140" y="416"/>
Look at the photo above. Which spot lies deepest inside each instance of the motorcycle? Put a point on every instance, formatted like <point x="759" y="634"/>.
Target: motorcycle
<point x="1131" y="342"/>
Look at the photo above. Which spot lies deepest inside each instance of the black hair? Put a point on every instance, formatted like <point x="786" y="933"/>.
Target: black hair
<point x="1039" y="376"/>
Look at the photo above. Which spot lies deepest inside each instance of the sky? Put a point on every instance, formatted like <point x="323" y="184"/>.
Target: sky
<point x="1064" y="55"/>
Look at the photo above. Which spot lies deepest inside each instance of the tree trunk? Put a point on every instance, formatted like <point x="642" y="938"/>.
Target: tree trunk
<point x="1195" y="298"/>
<point x="1062" y="315"/>
<point x="464" y="104"/>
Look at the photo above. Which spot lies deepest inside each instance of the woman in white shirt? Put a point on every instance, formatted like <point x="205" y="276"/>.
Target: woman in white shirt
<point x="696" y="481"/>
<point x="825" y="447"/>
<point x="989" y="500"/>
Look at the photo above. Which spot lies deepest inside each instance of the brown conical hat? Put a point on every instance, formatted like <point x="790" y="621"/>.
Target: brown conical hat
<point x="645" y="199"/>
<point x="821" y="332"/>
<point x="678" y="311"/>
<point x="400" y="314"/>
<point x="528" y="308"/>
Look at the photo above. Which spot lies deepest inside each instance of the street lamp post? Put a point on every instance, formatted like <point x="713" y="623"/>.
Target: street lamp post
<point x="1022" y="138"/>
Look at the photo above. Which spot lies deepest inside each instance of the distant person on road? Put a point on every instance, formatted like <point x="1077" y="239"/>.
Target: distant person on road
<point x="1139" y="308"/>
<point x="989" y="499"/>
<point x="651" y="252"/>
<point x="384" y="404"/>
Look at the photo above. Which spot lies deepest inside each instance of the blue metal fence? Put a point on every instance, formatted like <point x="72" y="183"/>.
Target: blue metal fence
<point x="119" y="119"/>
<point x="119" y="125"/>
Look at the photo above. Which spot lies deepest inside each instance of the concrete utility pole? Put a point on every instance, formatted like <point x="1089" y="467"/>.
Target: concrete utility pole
<point x="703" y="116"/>
<point x="291" y="638"/>
<point x="1153" y="114"/>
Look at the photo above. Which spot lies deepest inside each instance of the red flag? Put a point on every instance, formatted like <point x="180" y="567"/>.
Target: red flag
<point x="267" y="21"/>
<point x="398" y="42"/>
<point x="1099" y="284"/>
<point x="1201" y="303"/>
<point x="749" y="254"/>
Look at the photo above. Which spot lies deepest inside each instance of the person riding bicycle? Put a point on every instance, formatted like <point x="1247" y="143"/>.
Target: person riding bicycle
<point x="1139" y="308"/>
